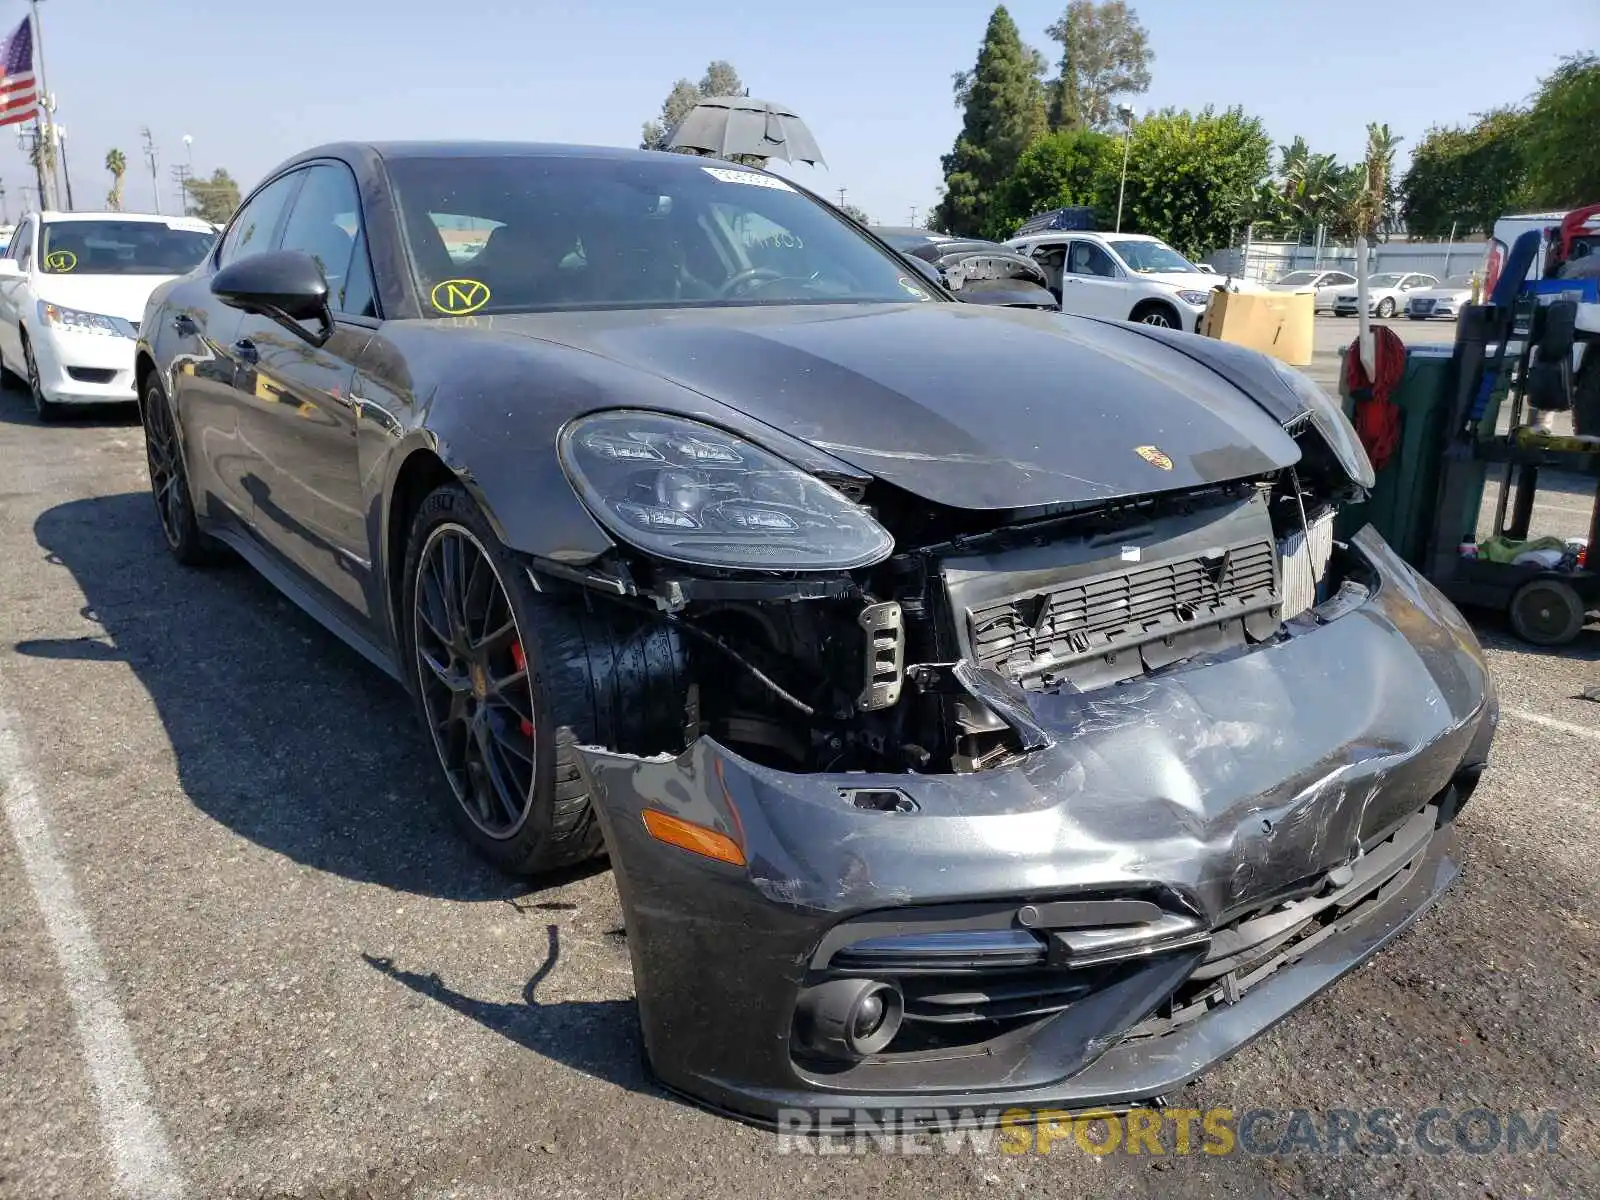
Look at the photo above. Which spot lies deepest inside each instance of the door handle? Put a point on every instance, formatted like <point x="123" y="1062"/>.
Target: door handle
<point x="185" y="325"/>
<point x="246" y="349"/>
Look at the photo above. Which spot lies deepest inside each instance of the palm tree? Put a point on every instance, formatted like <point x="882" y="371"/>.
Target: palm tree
<point x="117" y="164"/>
<point x="1372" y="208"/>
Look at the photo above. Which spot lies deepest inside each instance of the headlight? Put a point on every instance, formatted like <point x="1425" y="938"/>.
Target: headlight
<point x="76" y="321"/>
<point x="1196" y="298"/>
<point x="1331" y="422"/>
<point x="693" y="494"/>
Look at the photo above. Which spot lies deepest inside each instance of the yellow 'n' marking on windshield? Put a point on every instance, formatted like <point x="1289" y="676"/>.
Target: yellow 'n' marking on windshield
<point x="458" y="297"/>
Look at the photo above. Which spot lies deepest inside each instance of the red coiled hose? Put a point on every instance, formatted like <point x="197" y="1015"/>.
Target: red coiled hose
<point x="1377" y="419"/>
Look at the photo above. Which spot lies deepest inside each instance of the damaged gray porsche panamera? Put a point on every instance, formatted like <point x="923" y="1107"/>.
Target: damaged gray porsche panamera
<point x="975" y="704"/>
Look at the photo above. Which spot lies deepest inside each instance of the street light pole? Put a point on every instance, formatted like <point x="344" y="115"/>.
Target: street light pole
<point x="1125" y="111"/>
<point x="66" y="171"/>
<point x="150" y="157"/>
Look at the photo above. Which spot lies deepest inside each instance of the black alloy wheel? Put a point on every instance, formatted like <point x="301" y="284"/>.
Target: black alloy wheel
<point x="47" y="410"/>
<point x="472" y="673"/>
<point x="169" y="483"/>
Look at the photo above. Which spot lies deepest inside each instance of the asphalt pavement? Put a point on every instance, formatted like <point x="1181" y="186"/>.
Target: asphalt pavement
<point x="242" y="954"/>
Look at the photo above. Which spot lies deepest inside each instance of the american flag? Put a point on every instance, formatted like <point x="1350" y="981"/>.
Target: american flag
<point x="19" y="94"/>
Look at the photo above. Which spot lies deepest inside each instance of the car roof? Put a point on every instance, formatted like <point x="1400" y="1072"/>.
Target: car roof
<point x="153" y="218"/>
<point x="467" y="148"/>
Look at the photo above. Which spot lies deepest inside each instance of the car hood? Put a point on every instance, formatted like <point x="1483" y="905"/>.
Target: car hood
<point x="113" y="295"/>
<point x="970" y="406"/>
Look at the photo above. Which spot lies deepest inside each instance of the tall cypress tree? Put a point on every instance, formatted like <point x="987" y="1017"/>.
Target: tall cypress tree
<point x="1005" y="111"/>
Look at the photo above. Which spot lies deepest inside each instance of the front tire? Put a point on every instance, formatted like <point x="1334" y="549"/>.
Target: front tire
<point x="169" y="482"/>
<point x="1386" y="307"/>
<point x="509" y="681"/>
<point x="1160" y="315"/>
<point x="47" y="410"/>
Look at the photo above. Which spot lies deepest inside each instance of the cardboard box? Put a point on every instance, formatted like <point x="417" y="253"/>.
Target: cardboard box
<point x="1276" y="323"/>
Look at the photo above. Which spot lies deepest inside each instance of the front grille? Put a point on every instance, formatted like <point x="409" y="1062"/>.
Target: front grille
<point x="1422" y="307"/>
<point x="1124" y="608"/>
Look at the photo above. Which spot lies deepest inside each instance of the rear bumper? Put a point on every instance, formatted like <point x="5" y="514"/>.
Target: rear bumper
<point x="1225" y="794"/>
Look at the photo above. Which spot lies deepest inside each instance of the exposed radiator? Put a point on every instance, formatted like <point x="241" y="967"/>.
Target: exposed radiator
<point x="1305" y="561"/>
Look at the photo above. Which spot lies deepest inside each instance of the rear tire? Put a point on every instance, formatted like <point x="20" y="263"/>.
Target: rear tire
<point x="590" y="673"/>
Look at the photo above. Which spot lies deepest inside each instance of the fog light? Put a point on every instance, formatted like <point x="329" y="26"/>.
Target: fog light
<point x="849" y="1019"/>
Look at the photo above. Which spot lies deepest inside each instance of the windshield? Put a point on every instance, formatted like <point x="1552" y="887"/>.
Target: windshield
<point x="1295" y="278"/>
<point x="543" y="233"/>
<point x="114" y="247"/>
<point x="1384" y="281"/>
<point x="1149" y="257"/>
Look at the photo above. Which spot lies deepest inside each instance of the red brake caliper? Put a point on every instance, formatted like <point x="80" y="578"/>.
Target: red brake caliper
<point x="521" y="661"/>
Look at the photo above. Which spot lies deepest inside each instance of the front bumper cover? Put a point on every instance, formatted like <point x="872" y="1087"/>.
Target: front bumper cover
<point x="1225" y="793"/>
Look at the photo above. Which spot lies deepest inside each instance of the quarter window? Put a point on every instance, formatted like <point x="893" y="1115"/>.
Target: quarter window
<point x="252" y="230"/>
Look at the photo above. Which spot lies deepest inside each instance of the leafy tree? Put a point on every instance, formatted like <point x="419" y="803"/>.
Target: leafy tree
<point x="1105" y="53"/>
<point x="679" y="103"/>
<point x="1467" y="177"/>
<point x="1193" y="178"/>
<point x="1005" y="112"/>
<point x="1309" y="190"/>
<point x="721" y="79"/>
<point x="855" y="214"/>
<point x="1069" y="167"/>
<point x="213" y="199"/>
<point x="117" y="164"/>
<point x="1563" y="128"/>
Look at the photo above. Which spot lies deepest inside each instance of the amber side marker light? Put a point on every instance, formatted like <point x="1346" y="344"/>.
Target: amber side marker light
<point x="686" y="835"/>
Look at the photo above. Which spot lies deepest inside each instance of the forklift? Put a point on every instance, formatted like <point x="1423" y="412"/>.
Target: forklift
<point x="1531" y="345"/>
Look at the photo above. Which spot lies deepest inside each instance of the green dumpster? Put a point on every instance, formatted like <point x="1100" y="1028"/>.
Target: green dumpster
<point x="1403" y="501"/>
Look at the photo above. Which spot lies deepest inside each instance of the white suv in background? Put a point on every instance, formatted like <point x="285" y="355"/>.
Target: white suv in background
<point x="1125" y="276"/>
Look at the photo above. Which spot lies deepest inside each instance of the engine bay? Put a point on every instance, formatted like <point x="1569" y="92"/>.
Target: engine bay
<point x="923" y="661"/>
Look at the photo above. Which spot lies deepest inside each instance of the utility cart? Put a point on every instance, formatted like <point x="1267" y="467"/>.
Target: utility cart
<point x="1532" y="348"/>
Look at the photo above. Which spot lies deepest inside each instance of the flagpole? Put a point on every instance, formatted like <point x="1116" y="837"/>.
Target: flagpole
<point x="42" y="113"/>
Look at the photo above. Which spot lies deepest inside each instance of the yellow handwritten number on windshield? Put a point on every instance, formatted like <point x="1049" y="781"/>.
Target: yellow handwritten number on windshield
<point x="458" y="297"/>
<point x="61" y="260"/>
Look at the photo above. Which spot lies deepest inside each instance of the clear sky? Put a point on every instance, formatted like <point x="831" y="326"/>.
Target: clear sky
<point x="253" y="81"/>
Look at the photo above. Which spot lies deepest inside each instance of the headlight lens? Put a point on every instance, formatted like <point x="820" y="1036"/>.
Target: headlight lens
<point x="693" y="494"/>
<point x="77" y="321"/>
<point x="1197" y="298"/>
<point x="1331" y="422"/>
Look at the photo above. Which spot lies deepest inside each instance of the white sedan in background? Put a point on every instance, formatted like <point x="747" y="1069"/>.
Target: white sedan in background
<point x="1325" y="284"/>
<point x="1442" y="301"/>
<point x="1386" y="294"/>
<point x="73" y="288"/>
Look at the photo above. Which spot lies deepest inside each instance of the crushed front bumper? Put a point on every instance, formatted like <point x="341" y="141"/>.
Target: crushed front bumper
<point x="1263" y="823"/>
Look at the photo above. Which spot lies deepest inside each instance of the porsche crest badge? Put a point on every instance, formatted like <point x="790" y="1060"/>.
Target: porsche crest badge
<point x="1154" y="456"/>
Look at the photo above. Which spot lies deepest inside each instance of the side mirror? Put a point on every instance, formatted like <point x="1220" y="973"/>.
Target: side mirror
<point x="10" y="268"/>
<point x="927" y="270"/>
<point x="286" y="285"/>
